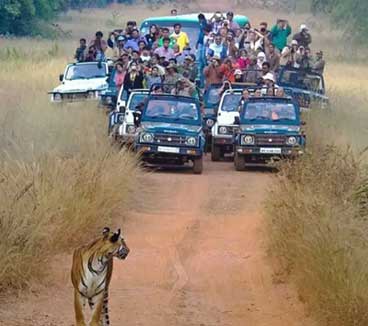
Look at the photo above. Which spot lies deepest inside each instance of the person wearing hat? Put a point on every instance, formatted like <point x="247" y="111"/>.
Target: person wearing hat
<point x="184" y="87"/>
<point x="232" y="24"/>
<point x="303" y="38"/>
<point x="238" y="76"/>
<point x="118" y="48"/>
<point x="189" y="68"/>
<point x="280" y="33"/>
<point x="217" y="21"/>
<point x="181" y="38"/>
<point x="171" y="77"/>
<point x="319" y="64"/>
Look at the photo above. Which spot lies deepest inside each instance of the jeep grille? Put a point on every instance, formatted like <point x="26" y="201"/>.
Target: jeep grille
<point x="167" y="139"/>
<point x="270" y="140"/>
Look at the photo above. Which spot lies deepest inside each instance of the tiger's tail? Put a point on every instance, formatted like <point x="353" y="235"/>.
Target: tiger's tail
<point x="105" y="320"/>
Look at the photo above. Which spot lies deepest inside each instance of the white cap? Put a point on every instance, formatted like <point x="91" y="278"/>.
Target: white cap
<point x="294" y="42"/>
<point x="261" y="55"/>
<point x="303" y="26"/>
<point x="269" y="76"/>
<point x="238" y="72"/>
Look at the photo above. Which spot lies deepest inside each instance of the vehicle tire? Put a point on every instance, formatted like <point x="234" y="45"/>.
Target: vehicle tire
<point x="215" y="153"/>
<point x="198" y="165"/>
<point x="239" y="162"/>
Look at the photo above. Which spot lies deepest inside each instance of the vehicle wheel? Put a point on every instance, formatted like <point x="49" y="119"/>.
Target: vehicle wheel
<point x="198" y="165"/>
<point x="215" y="153"/>
<point x="239" y="162"/>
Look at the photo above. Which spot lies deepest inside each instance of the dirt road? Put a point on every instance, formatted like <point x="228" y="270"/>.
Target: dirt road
<point x="197" y="258"/>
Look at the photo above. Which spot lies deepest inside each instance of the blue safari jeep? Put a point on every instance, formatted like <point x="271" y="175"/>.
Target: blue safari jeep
<point x="108" y="97"/>
<point x="307" y="87"/>
<point x="170" y="131"/>
<point x="269" y="129"/>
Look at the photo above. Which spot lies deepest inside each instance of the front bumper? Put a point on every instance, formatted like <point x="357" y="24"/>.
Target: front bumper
<point x="156" y="152"/>
<point x="92" y="95"/>
<point x="269" y="152"/>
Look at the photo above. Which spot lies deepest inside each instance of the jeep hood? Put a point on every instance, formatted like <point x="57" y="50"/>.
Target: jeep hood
<point x="299" y="91"/>
<point x="81" y="85"/>
<point x="170" y="128"/>
<point x="270" y="129"/>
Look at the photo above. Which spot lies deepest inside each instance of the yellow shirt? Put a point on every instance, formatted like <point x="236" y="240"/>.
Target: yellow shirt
<point x="182" y="39"/>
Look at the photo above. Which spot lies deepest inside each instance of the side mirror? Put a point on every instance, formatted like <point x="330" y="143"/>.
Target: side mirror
<point x="137" y="118"/>
<point x="61" y="77"/>
<point x="236" y="121"/>
<point x="119" y="118"/>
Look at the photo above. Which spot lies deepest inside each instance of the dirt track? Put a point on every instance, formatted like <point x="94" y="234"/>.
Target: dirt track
<point x="197" y="258"/>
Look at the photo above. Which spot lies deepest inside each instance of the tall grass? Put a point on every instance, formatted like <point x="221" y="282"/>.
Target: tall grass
<point x="60" y="179"/>
<point x="317" y="210"/>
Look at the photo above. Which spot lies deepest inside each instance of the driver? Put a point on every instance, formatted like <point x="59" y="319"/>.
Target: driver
<point x="184" y="87"/>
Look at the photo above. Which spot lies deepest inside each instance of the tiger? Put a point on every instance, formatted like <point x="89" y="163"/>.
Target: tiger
<point x="91" y="274"/>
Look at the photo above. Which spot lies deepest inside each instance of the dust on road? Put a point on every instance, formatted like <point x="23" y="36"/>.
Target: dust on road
<point x="197" y="257"/>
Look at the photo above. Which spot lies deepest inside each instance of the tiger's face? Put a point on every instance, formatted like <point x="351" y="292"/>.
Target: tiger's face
<point x="114" y="244"/>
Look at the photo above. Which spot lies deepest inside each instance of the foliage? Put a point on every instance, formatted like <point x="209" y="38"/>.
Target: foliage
<point x="349" y="15"/>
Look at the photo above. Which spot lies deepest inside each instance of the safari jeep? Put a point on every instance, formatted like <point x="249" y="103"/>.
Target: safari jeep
<point x="269" y="129"/>
<point x="108" y="97"/>
<point x="222" y="130"/>
<point x="170" y="131"/>
<point x="211" y="100"/>
<point x="307" y="87"/>
<point x="121" y="121"/>
<point x="81" y="81"/>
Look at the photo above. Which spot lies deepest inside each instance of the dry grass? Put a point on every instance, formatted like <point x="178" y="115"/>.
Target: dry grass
<point x="60" y="180"/>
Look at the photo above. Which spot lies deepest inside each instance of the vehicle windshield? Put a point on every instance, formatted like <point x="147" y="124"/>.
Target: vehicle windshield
<point x="191" y="30"/>
<point x="212" y="96"/>
<point x="231" y="102"/>
<point x="172" y="111"/>
<point x="86" y="71"/>
<point x="301" y="79"/>
<point x="265" y="112"/>
<point x="136" y="99"/>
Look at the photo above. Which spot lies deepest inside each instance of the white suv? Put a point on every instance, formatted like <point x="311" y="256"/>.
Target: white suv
<point x="121" y="121"/>
<point x="222" y="130"/>
<point x="80" y="81"/>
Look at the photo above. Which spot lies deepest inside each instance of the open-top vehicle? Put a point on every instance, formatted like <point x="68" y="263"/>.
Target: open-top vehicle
<point x="307" y="87"/>
<point x="269" y="128"/>
<point x="108" y="96"/>
<point x="81" y="81"/>
<point x="211" y="100"/>
<point x="222" y="130"/>
<point x="121" y="121"/>
<point x="170" y="131"/>
<point x="189" y="23"/>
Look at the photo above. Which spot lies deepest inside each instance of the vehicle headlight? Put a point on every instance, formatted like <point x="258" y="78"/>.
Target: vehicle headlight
<point x="147" y="137"/>
<point x="108" y="99"/>
<point x="191" y="141"/>
<point x="223" y="130"/>
<point x="291" y="141"/>
<point x="131" y="129"/>
<point x="247" y="140"/>
<point x="57" y="97"/>
<point x="210" y="123"/>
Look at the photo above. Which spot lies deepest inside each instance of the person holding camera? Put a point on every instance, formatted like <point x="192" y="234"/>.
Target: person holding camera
<point x="280" y="33"/>
<point x="212" y="72"/>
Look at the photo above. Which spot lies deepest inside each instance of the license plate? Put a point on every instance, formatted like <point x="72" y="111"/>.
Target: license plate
<point x="165" y="149"/>
<point x="270" y="150"/>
